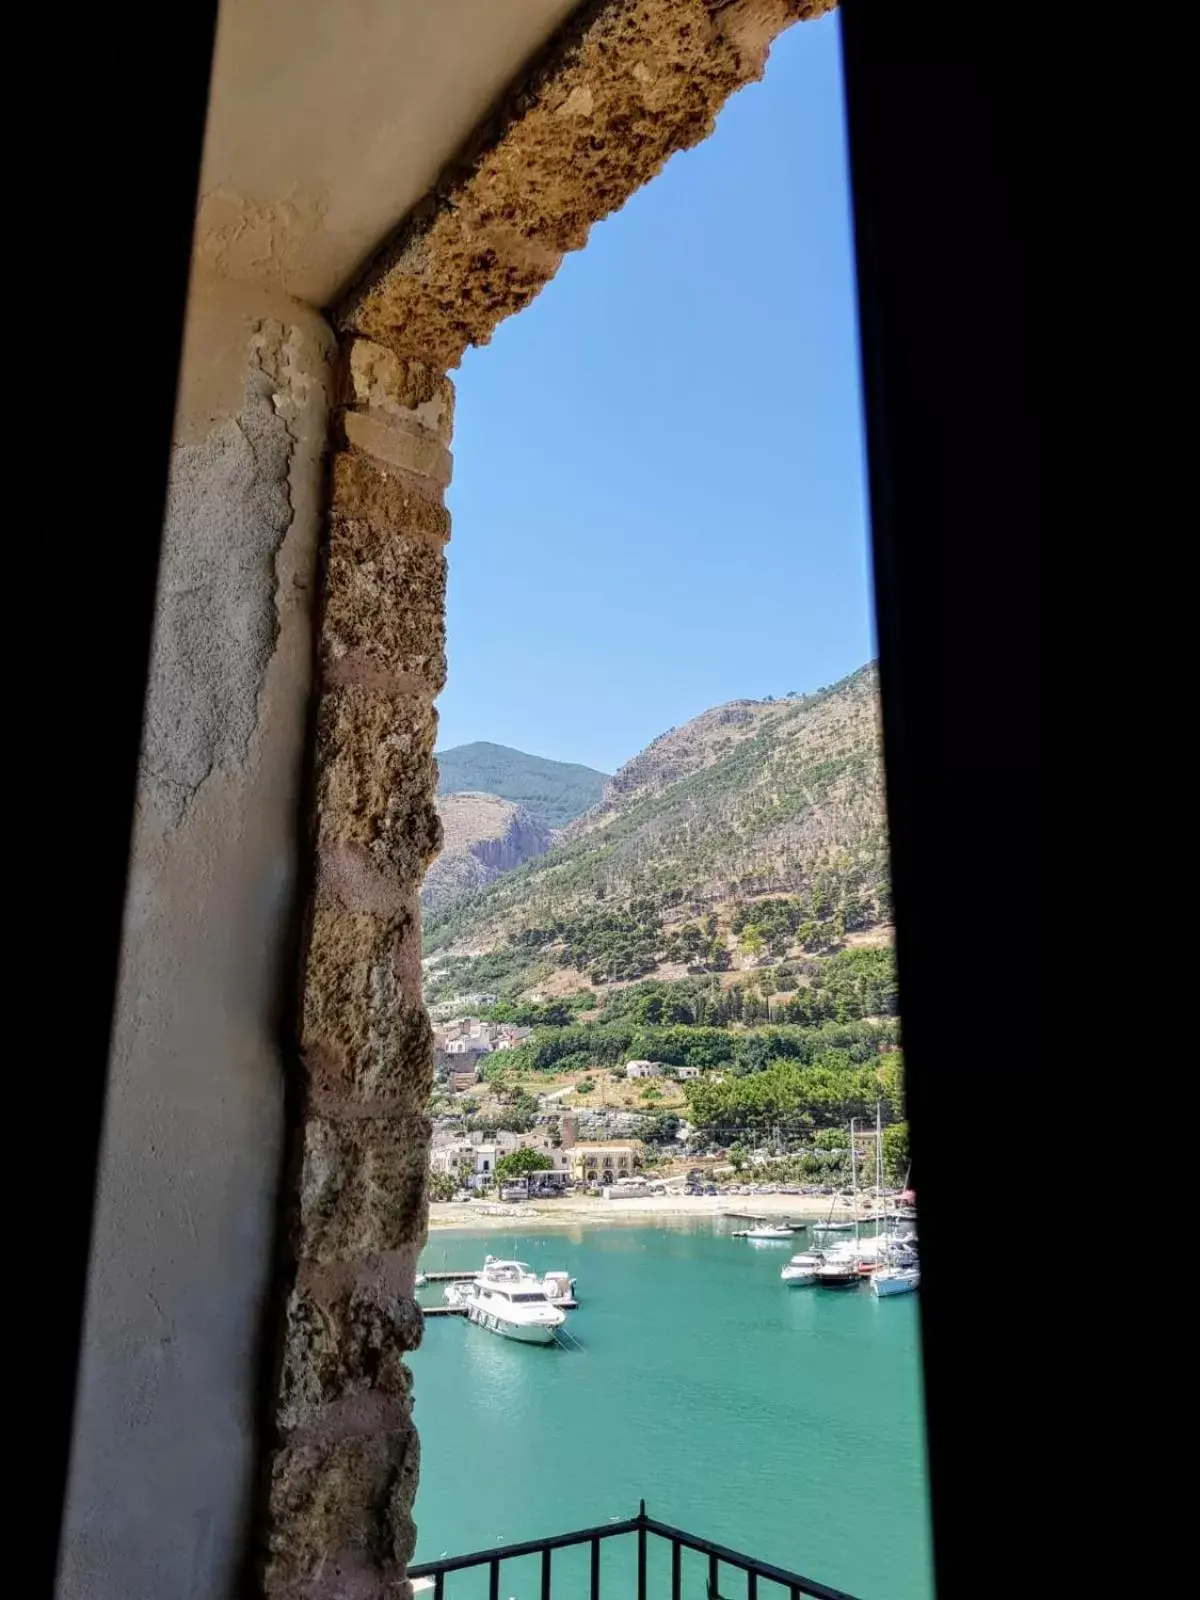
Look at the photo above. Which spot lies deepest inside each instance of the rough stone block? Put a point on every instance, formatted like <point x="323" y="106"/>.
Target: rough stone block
<point x="349" y="1345"/>
<point x="624" y="86"/>
<point x="363" y="1186"/>
<point x="370" y="491"/>
<point x="402" y="442"/>
<point x="376" y="779"/>
<point x="385" y="601"/>
<point x="363" y="1016"/>
<point x="343" y="1513"/>
<point x="380" y="380"/>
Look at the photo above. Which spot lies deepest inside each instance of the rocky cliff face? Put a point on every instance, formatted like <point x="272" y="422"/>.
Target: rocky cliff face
<point x="682" y="751"/>
<point x="483" y="837"/>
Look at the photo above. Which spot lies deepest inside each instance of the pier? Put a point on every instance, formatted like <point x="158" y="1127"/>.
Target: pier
<point x="461" y="1311"/>
<point x="757" y="1216"/>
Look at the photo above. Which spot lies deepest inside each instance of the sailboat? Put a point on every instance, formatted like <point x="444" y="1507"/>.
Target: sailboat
<point x="839" y="1270"/>
<point x="902" y="1277"/>
<point x="829" y="1225"/>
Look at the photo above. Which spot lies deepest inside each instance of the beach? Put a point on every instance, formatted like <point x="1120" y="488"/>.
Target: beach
<point x="579" y="1210"/>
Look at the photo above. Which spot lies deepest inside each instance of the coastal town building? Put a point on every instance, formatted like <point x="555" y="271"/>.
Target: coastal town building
<point x="472" y="1160"/>
<point x="467" y="1047"/>
<point x="602" y="1163"/>
<point x="469" y="1035"/>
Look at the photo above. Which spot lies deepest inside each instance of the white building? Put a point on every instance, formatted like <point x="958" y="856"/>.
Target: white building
<point x="686" y="1073"/>
<point x="643" y="1069"/>
<point x="456" y="1160"/>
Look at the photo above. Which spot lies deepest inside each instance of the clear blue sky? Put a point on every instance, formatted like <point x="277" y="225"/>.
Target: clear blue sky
<point x="659" y="498"/>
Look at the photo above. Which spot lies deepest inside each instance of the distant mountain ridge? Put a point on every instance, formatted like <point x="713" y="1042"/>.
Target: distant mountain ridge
<point x="749" y="800"/>
<point x="553" y="793"/>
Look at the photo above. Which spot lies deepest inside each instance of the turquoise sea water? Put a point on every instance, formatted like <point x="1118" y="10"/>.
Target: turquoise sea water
<point x="782" y="1422"/>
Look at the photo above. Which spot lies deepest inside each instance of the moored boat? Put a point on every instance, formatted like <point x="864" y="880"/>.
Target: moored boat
<point x="843" y="1272"/>
<point x="802" y="1269"/>
<point x="762" y="1229"/>
<point x="508" y="1298"/>
<point x="888" y="1281"/>
<point x="896" y="1270"/>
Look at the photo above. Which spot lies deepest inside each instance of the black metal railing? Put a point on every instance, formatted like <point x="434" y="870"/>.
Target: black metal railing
<point x="756" y="1580"/>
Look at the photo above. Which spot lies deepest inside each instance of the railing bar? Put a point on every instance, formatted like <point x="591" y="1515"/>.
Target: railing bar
<point x="796" y="1586"/>
<point x="530" y="1547"/>
<point x="765" y="1569"/>
<point x="714" y="1574"/>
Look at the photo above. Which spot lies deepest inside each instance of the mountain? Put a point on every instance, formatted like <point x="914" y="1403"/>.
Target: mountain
<point x="483" y="836"/>
<point x="754" y="832"/>
<point x="552" y="792"/>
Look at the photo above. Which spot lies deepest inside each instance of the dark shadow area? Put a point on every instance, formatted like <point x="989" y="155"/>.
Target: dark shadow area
<point x="106" y="229"/>
<point x="1016" y="302"/>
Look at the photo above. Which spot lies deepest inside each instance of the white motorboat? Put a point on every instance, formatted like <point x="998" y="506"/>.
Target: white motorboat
<point x="762" y="1229"/>
<point x="559" y="1287"/>
<point x="802" y="1269"/>
<point x="508" y="1299"/>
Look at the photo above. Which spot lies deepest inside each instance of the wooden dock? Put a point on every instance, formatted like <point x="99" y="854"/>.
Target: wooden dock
<point x="461" y="1311"/>
<point x="757" y="1216"/>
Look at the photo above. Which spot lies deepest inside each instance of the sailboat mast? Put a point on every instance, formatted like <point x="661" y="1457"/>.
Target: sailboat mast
<point x="853" y="1181"/>
<point x="880" y="1210"/>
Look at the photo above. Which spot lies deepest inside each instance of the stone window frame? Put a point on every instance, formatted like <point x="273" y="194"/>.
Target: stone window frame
<point x="623" y="86"/>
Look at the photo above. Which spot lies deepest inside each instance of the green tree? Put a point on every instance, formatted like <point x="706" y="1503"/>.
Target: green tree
<point x="895" y="1154"/>
<point x="659" y="1127"/>
<point x="522" y="1161"/>
<point x="441" y="1186"/>
<point x="739" y="1158"/>
<point x="891" y="1081"/>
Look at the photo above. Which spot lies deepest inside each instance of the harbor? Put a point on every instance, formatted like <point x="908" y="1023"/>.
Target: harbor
<point x="695" y="1367"/>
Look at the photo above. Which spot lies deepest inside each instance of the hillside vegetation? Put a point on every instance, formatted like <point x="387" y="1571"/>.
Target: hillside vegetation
<point x="752" y="836"/>
<point x="722" y="911"/>
<point x="552" y="792"/>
